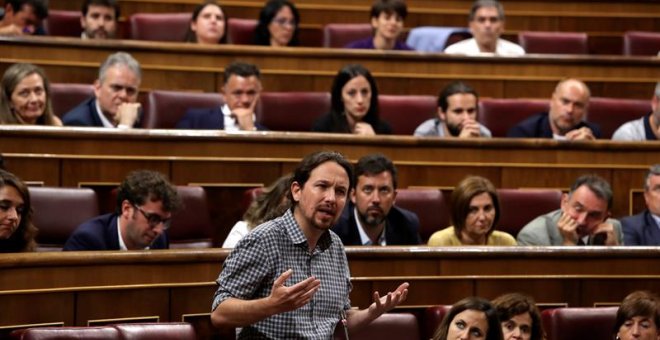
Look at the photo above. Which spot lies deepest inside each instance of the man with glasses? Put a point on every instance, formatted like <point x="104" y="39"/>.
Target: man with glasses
<point x="241" y="90"/>
<point x="486" y="21"/>
<point x="114" y="104"/>
<point x="583" y="218"/>
<point x="145" y="203"/>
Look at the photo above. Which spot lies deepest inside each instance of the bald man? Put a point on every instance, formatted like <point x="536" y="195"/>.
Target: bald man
<point x="565" y="121"/>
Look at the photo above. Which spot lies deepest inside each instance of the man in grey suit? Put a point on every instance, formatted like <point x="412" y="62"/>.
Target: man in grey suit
<point x="583" y="218"/>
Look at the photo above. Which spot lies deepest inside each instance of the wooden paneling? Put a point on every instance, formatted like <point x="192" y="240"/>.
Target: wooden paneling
<point x="177" y="66"/>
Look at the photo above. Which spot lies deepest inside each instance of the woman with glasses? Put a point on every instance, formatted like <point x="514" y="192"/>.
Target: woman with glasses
<point x="16" y="229"/>
<point x="278" y="24"/>
<point x="353" y="105"/>
<point x="208" y="24"/>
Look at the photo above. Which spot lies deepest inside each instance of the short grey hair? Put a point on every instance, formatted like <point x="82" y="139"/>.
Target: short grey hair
<point x="653" y="171"/>
<point x="657" y="89"/>
<point x="486" y="3"/>
<point x="120" y="58"/>
<point x="598" y="185"/>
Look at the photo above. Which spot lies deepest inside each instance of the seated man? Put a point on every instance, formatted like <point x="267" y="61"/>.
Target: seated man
<point x="645" y="128"/>
<point x="387" y="18"/>
<point x="99" y="19"/>
<point x="644" y="229"/>
<point x="581" y="220"/>
<point x="115" y="96"/>
<point x="23" y="17"/>
<point x="371" y="218"/>
<point x="458" y="105"/>
<point x="486" y="23"/>
<point x="565" y="121"/>
<point x="241" y="90"/>
<point x="145" y="203"/>
<point x="289" y="278"/>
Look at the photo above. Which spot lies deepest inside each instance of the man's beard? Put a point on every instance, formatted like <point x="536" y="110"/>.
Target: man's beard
<point x="370" y="221"/>
<point x="454" y="130"/>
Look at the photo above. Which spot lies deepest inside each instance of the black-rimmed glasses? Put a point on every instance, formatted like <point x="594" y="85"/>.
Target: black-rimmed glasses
<point x="154" y="219"/>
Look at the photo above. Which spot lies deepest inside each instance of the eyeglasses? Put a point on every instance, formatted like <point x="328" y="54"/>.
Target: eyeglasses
<point x="154" y="219"/>
<point x="285" y="22"/>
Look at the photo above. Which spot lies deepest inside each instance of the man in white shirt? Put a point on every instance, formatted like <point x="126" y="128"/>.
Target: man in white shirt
<point x="241" y="90"/>
<point x="645" y="128"/>
<point x="115" y="96"/>
<point x="486" y="23"/>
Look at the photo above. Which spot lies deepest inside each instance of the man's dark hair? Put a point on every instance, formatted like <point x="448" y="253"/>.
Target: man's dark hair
<point x="40" y="7"/>
<point x="104" y="3"/>
<point x="597" y="185"/>
<point x="374" y="164"/>
<point x="312" y="161"/>
<point x="142" y="185"/>
<point x="486" y="3"/>
<point x="452" y="89"/>
<point x="389" y="6"/>
<point x="241" y="69"/>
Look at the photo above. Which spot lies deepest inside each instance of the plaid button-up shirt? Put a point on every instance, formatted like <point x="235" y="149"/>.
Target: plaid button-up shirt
<point x="270" y="250"/>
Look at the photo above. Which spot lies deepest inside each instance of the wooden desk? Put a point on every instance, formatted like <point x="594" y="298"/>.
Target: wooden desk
<point x="180" y="66"/>
<point x="79" y="288"/>
<point x="72" y="157"/>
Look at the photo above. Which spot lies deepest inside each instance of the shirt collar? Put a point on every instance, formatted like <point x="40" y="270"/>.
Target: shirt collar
<point x="364" y="238"/>
<point x="656" y="218"/>
<point x="104" y="120"/>
<point x="122" y="245"/>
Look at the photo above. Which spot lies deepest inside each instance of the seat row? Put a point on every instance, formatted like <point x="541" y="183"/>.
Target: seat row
<point x="297" y="111"/>
<point x="192" y="226"/>
<point x="173" y="26"/>
<point x="136" y="331"/>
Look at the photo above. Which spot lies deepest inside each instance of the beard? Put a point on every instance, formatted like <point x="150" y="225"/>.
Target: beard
<point x="454" y="130"/>
<point x="372" y="220"/>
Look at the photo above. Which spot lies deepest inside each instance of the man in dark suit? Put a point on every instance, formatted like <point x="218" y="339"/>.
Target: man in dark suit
<point x="371" y="217"/>
<point x="644" y="229"/>
<point x="565" y="120"/>
<point x="241" y="91"/>
<point x="115" y="96"/>
<point x="145" y="203"/>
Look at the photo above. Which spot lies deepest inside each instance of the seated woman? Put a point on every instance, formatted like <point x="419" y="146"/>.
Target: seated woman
<point x="470" y="318"/>
<point x="519" y="317"/>
<point x="387" y="18"/>
<point x="25" y="97"/>
<point x="354" y="105"/>
<point x="269" y="204"/>
<point x="208" y="24"/>
<point x="638" y="317"/>
<point x="16" y="230"/>
<point x="278" y="24"/>
<point x="475" y="212"/>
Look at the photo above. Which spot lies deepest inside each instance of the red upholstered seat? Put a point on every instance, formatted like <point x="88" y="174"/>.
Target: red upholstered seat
<point x="390" y="326"/>
<point x="60" y="333"/>
<point x="49" y="203"/>
<point x="518" y="207"/>
<point x="610" y="113"/>
<point x="579" y="323"/>
<point x="159" y="26"/>
<point x="641" y="43"/>
<point x="65" y="97"/>
<point x="164" y="109"/>
<point x="405" y="113"/>
<point x="156" y="331"/>
<point x="340" y="35"/>
<point x="292" y="111"/>
<point x="554" y="42"/>
<point x="429" y="205"/>
<point x="191" y="226"/>
<point x="432" y="318"/>
<point x="63" y="23"/>
<point x="241" y="31"/>
<point x="499" y="115"/>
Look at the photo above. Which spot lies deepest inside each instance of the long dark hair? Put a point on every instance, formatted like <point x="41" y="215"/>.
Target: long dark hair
<point x="471" y="303"/>
<point x="22" y="239"/>
<point x="192" y="36"/>
<point x="266" y="16"/>
<point x="337" y="110"/>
